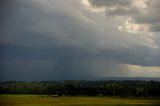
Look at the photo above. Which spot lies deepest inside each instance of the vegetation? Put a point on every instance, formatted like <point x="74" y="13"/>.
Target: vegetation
<point x="36" y="100"/>
<point x="87" y="88"/>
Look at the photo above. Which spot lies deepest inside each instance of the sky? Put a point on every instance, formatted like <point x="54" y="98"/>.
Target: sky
<point x="79" y="39"/>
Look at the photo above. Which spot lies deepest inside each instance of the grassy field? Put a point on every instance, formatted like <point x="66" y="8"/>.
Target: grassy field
<point x="36" y="100"/>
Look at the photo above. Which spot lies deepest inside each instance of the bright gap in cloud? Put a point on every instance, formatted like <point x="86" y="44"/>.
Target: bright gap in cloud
<point x="144" y="71"/>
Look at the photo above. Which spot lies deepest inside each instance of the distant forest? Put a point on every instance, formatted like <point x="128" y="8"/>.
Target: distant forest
<point x="81" y="87"/>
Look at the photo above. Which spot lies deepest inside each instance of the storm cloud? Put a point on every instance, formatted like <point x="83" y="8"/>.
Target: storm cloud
<point x="63" y="39"/>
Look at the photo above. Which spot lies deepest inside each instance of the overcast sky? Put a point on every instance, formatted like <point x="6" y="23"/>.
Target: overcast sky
<point x="79" y="39"/>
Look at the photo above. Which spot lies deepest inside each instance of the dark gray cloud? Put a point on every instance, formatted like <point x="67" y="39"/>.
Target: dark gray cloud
<point x="134" y="55"/>
<point x="110" y="3"/>
<point x="120" y="11"/>
<point x="45" y="40"/>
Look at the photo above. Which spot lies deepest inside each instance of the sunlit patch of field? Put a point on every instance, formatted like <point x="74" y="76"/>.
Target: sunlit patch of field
<point x="36" y="100"/>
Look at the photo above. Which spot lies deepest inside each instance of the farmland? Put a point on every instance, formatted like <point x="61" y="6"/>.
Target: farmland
<point x="44" y="100"/>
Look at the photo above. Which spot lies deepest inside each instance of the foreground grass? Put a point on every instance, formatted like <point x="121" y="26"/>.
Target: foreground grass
<point x="36" y="100"/>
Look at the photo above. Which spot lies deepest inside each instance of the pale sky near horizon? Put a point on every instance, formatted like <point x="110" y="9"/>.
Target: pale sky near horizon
<point x="79" y="39"/>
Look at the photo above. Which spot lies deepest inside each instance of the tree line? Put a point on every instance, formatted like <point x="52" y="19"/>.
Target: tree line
<point x="82" y="87"/>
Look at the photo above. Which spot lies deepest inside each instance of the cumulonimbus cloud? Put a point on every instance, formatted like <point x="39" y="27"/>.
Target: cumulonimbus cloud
<point x="61" y="39"/>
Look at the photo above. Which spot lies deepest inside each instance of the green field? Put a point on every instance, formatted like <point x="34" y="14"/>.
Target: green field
<point x="36" y="100"/>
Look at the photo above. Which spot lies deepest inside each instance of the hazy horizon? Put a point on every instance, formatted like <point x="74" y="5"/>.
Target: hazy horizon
<point x="79" y="39"/>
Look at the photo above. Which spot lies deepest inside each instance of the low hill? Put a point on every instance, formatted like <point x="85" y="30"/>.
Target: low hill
<point x="129" y="78"/>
